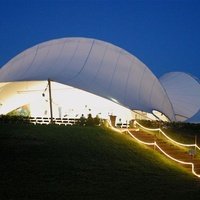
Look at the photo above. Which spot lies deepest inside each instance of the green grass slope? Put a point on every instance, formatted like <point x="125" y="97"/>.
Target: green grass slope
<point x="55" y="162"/>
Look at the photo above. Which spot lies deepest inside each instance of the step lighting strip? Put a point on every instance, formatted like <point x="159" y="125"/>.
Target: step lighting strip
<point x="156" y="145"/>
<point x="158" y="129"/>
<point x="166" y="154"/>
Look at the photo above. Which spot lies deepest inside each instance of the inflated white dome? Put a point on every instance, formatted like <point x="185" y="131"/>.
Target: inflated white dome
<point x="94" y="66"/>
<point x="184" y="93"/>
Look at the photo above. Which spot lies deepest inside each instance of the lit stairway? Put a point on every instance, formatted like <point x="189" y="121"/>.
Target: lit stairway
<point x="177" y="153"/>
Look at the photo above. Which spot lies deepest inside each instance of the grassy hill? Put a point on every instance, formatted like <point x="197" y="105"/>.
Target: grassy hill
<point x="55" y="162"/>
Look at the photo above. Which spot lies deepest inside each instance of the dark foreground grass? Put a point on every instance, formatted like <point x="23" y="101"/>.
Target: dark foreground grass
<point x="55" y="162"/>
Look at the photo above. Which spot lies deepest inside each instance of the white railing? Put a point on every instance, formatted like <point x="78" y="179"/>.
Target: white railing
<point x="47" y="120"/>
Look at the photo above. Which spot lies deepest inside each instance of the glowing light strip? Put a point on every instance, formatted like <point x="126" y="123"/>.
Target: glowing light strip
<point x="155" y="144"/>
<point x="178" y="143"/>
<point x="147" y="143"/>
<point x="166" y="154"/>
<point x="179" y="161"/>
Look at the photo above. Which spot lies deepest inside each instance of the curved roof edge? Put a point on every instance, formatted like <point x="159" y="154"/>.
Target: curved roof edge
<point x="184" y="92"/>
<point x="94" y="66"/>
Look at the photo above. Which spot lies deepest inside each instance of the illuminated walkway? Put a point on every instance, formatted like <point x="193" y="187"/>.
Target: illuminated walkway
<point x="188" y="155"/>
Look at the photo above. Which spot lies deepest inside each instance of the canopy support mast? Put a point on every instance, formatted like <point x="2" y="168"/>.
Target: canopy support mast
<point x="50" y="101"/>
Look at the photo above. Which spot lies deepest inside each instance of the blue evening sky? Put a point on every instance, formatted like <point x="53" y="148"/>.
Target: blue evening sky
<point x="164" y="34"/>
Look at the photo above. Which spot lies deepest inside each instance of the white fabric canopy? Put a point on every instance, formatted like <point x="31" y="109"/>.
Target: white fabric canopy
<point x="94" y="66"/>
<point x="184" y="93"/>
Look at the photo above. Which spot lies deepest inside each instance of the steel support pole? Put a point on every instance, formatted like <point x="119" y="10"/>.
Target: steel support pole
<point x="50" y="101"/>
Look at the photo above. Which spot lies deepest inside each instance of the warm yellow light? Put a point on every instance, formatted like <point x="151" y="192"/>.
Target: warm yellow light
<point x="67" y="102"/>
<point x="173" y="141"/>
<point x="174" y="159"/>
<point x="156" y="145"/>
